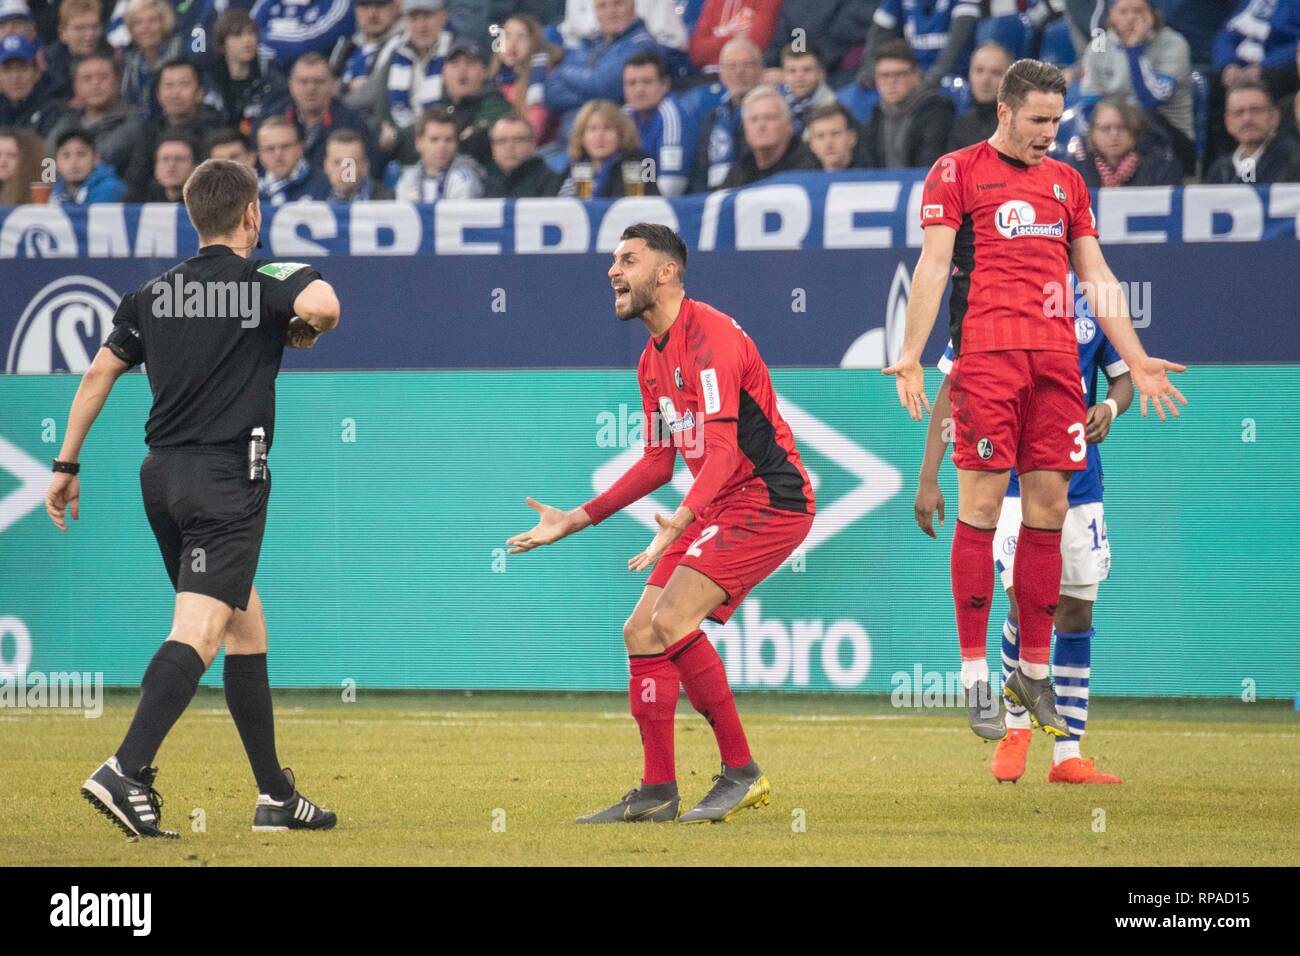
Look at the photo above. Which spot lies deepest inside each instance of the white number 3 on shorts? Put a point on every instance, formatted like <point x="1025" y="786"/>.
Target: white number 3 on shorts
<point x="1080" y="447"/>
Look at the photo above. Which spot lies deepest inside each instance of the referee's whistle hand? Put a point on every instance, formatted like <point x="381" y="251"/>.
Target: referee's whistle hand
<point x="64" y="494"/>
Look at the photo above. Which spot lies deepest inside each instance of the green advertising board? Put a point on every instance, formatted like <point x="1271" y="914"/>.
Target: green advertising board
<point x="393" y="494"/>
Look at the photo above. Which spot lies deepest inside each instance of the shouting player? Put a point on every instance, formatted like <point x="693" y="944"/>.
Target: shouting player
<point x="706" y="392"/>
<point x="1085" y="558"/>
<point x="1007" y="222"/>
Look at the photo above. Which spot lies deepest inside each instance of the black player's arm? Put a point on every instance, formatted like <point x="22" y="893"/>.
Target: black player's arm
<point x="96" y="384"/>
<point x="318" y="306"/>
<point x="929" y="498"/>
<point x="1120" y="388"/>
<point x="936" y="437"/>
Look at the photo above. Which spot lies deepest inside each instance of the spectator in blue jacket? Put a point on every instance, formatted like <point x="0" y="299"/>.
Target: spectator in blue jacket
<point x="940" y="33"/>
<point x="288" y="176"/>
<point x="593" y="69"/>
<point x="720" y="136"/>
<point x="291" y="28"/>
<point x="665" y="130"/>
<point x="82" y="178"/>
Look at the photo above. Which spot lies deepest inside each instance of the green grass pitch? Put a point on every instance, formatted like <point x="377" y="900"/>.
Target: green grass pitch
<point x="425" y="778"/>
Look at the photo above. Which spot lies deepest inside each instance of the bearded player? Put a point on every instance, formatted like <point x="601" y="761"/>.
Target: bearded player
<point x="1085" y="558"/>
<point x="706" y="393"/>
<point x="1008" y="222"/>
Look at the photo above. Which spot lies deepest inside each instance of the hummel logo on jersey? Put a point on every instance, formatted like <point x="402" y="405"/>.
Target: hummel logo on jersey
<point x="990" y="185"/>
<point x="1016" y="218"/>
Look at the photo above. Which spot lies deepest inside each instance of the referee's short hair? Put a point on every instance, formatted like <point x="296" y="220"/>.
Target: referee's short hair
<point x="216" y="195"/>
<point x="660" y="239"/>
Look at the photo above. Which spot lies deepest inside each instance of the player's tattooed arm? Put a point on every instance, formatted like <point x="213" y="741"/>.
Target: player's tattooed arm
<point x="1100" y="416"/>
<point x="929" y="497"/>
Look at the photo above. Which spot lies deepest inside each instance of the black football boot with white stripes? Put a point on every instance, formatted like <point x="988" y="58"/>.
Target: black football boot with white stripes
<point x="293" y="813"/>
<point x="130" y="803"/>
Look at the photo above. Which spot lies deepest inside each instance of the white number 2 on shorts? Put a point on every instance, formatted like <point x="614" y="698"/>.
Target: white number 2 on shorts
<point x="1080" y="447"/>
<point x="705" y="535"/>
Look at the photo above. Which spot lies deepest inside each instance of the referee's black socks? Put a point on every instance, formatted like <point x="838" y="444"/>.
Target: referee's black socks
<point x="248" y="697"/>
<point x="166" y="690"/>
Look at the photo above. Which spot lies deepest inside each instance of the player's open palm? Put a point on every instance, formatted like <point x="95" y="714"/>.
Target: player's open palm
<point x="63" y="494"/>
<point x="552" y="525"/>
<point x="1151" y="379"/>
<point x="666" y="535"/>
<point x="909" y="379"/>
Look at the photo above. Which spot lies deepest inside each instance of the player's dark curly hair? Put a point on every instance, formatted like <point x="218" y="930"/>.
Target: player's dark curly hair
<point x="660" y="239"/>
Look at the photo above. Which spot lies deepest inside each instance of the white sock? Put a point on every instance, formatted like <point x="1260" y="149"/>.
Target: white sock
<point x="974" y="669"/>
<point x="1017" y="719"/>
<point x="1033" y="671"/>
<point x="1064" y="750"/>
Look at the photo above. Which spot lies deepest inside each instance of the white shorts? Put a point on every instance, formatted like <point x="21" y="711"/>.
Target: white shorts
<point x="1085" y="550"/>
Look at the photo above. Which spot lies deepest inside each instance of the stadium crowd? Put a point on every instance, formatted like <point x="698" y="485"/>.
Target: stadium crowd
<point x="349" y="100"/>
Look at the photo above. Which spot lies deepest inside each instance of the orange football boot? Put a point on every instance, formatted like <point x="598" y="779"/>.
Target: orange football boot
<point x="1009" y="758"/>
<point x="1079" y="770"/>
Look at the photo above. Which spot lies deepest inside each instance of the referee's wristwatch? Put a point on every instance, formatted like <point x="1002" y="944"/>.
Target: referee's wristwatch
<point x="67" y="467"/>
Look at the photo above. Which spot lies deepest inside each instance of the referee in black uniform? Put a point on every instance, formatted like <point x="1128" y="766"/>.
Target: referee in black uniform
<point x="211" y="332"/>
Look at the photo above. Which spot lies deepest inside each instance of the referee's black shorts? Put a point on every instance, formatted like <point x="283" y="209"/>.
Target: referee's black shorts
<point x="208" y="518"/>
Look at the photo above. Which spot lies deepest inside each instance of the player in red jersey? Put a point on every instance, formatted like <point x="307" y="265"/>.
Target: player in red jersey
<point x="1007" y="222"/>
<point x="706" y="393"/>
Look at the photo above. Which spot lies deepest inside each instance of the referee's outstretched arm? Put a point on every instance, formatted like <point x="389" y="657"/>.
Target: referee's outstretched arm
<point x="65" y="488"/>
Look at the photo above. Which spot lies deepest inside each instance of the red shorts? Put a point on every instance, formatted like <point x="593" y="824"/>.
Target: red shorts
<point x="736" y="544"/>
<point x="1018" y="408"/>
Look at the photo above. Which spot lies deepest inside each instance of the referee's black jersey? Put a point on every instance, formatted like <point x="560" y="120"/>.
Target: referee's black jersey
<point x="211" y="332"/>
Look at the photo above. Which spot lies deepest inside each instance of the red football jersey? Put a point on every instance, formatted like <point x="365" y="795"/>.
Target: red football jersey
<point x="707" y="394"/>
<point x="1011" y="257"/>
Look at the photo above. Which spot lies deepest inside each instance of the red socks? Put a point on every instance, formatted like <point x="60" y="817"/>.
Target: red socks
<point x="1037" y="579"/>
<point x="972" y="586"/>
<point x="705" y="679"/>
<point x="652" y="694"/>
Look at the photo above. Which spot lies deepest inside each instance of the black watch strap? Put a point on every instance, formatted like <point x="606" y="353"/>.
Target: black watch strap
<point x="68" y="467"/>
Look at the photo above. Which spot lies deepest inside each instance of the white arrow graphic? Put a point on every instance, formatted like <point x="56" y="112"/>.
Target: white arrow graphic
<point x="31" y="493"/>
<point x="880" y="480"/>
